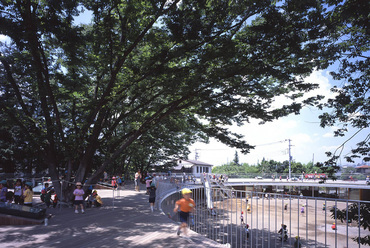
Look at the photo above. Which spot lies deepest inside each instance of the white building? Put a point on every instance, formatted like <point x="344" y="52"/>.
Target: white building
<point x="192" y="166"/>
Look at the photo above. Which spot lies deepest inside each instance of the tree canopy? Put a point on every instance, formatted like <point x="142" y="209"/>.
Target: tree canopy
<point x="266" y="169"/>
<point x="145" y="73"/>
<point x="349" y="27"/>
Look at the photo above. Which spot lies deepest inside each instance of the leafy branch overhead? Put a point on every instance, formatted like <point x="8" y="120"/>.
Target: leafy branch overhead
<point x="349" y="27"/>
<point x="88" y="96"/>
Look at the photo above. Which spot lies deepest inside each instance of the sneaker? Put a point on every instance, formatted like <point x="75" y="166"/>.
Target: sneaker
<point x="178" y="232"/>
<point x="76" y="211"/>
<point x="83" y="211"/>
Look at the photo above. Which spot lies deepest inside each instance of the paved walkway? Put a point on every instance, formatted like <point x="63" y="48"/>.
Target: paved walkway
<point x="130" y="223"/>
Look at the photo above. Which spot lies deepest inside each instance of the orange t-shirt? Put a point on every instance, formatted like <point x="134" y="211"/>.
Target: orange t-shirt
<point x="186" y="205"/>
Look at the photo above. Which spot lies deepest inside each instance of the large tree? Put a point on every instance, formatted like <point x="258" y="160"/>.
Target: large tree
<point x="349" y="27"/>
<point x="81" y="95"/>
<point x="350" y="30"/>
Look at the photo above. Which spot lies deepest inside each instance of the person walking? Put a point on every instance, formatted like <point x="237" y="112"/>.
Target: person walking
<point x="302" y="210"/>
<point x="249" y="210"/>
<point x="105" y="175"/>
<point x="246" y="230"/>
<point x="148" y="182"/>
<point x="334" y="227"/>
<point x="79" y="200"/>
<point x="114" y="183"/>
<point x="119" y="181"/>
<point x="137" y="179"/>
<point x="283" y="232"/>
<point x="152" y="195"/>
<point x="297" y="243"/>
<point x="184" y="206"/>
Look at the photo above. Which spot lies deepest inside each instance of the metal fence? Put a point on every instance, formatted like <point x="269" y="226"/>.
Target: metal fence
<point x="307" y="220"/>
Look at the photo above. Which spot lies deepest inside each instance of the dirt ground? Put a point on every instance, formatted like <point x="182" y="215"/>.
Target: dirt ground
<point x="313" y="226"/>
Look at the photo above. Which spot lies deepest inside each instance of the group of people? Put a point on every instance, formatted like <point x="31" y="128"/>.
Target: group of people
<point x="218" y="178"/>
<point x="118" y="180"/>
<point x="22" y="194"/>
<point x="146" y="179"/>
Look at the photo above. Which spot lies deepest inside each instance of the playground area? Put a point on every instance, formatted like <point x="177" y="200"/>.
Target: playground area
<point x="264" y="215"/>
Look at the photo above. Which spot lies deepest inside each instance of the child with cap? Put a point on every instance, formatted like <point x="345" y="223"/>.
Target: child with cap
<point x="148" y="181"/>
<point x="334" y="227"/>
<point x="185" y="205"/>
<point x="79" y="200"/>
<point x="297" y="243"/>
<point x="28" y="194"/>
<point x="246" y="229"/>
<point x="114" y="183"/>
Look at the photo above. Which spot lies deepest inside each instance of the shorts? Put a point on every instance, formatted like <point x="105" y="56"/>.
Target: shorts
<point x="152" y="200"/>
<point x="184" y="217"/>
<point x="78" y="202"/>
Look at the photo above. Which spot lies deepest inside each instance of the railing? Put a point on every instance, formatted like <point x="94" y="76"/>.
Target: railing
<point x="265" y="214"/>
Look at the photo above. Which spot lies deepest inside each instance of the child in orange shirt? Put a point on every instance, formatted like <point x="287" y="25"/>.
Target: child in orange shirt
<point x="185" y="205"/>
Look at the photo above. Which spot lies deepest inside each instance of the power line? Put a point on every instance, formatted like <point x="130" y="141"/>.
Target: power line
<point x="273" y="143"/>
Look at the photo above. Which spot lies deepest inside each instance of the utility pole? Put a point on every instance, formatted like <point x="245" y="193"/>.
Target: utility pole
<point x="290" y="160"/>
<point x="313" y="159"/>
<point x="196" y="154"/>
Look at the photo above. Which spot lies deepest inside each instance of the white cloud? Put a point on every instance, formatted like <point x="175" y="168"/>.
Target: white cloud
<point x="302" y="138"/>
<point x="328" y="135"/>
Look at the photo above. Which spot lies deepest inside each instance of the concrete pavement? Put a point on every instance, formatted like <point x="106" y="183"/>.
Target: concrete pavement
<point x="125" y="221"/>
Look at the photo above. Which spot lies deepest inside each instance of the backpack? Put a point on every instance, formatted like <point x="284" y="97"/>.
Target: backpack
<point x="42" y="195"/>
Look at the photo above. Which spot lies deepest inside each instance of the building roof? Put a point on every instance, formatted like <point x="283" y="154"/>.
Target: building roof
<point x="363" y="167"/>
<point x="196" y="162"/>
<point x="190" y="163"/>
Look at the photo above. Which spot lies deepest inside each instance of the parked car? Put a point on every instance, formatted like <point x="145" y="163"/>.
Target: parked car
<point x="258" y="177"/>
<point x="38" y="188"/>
